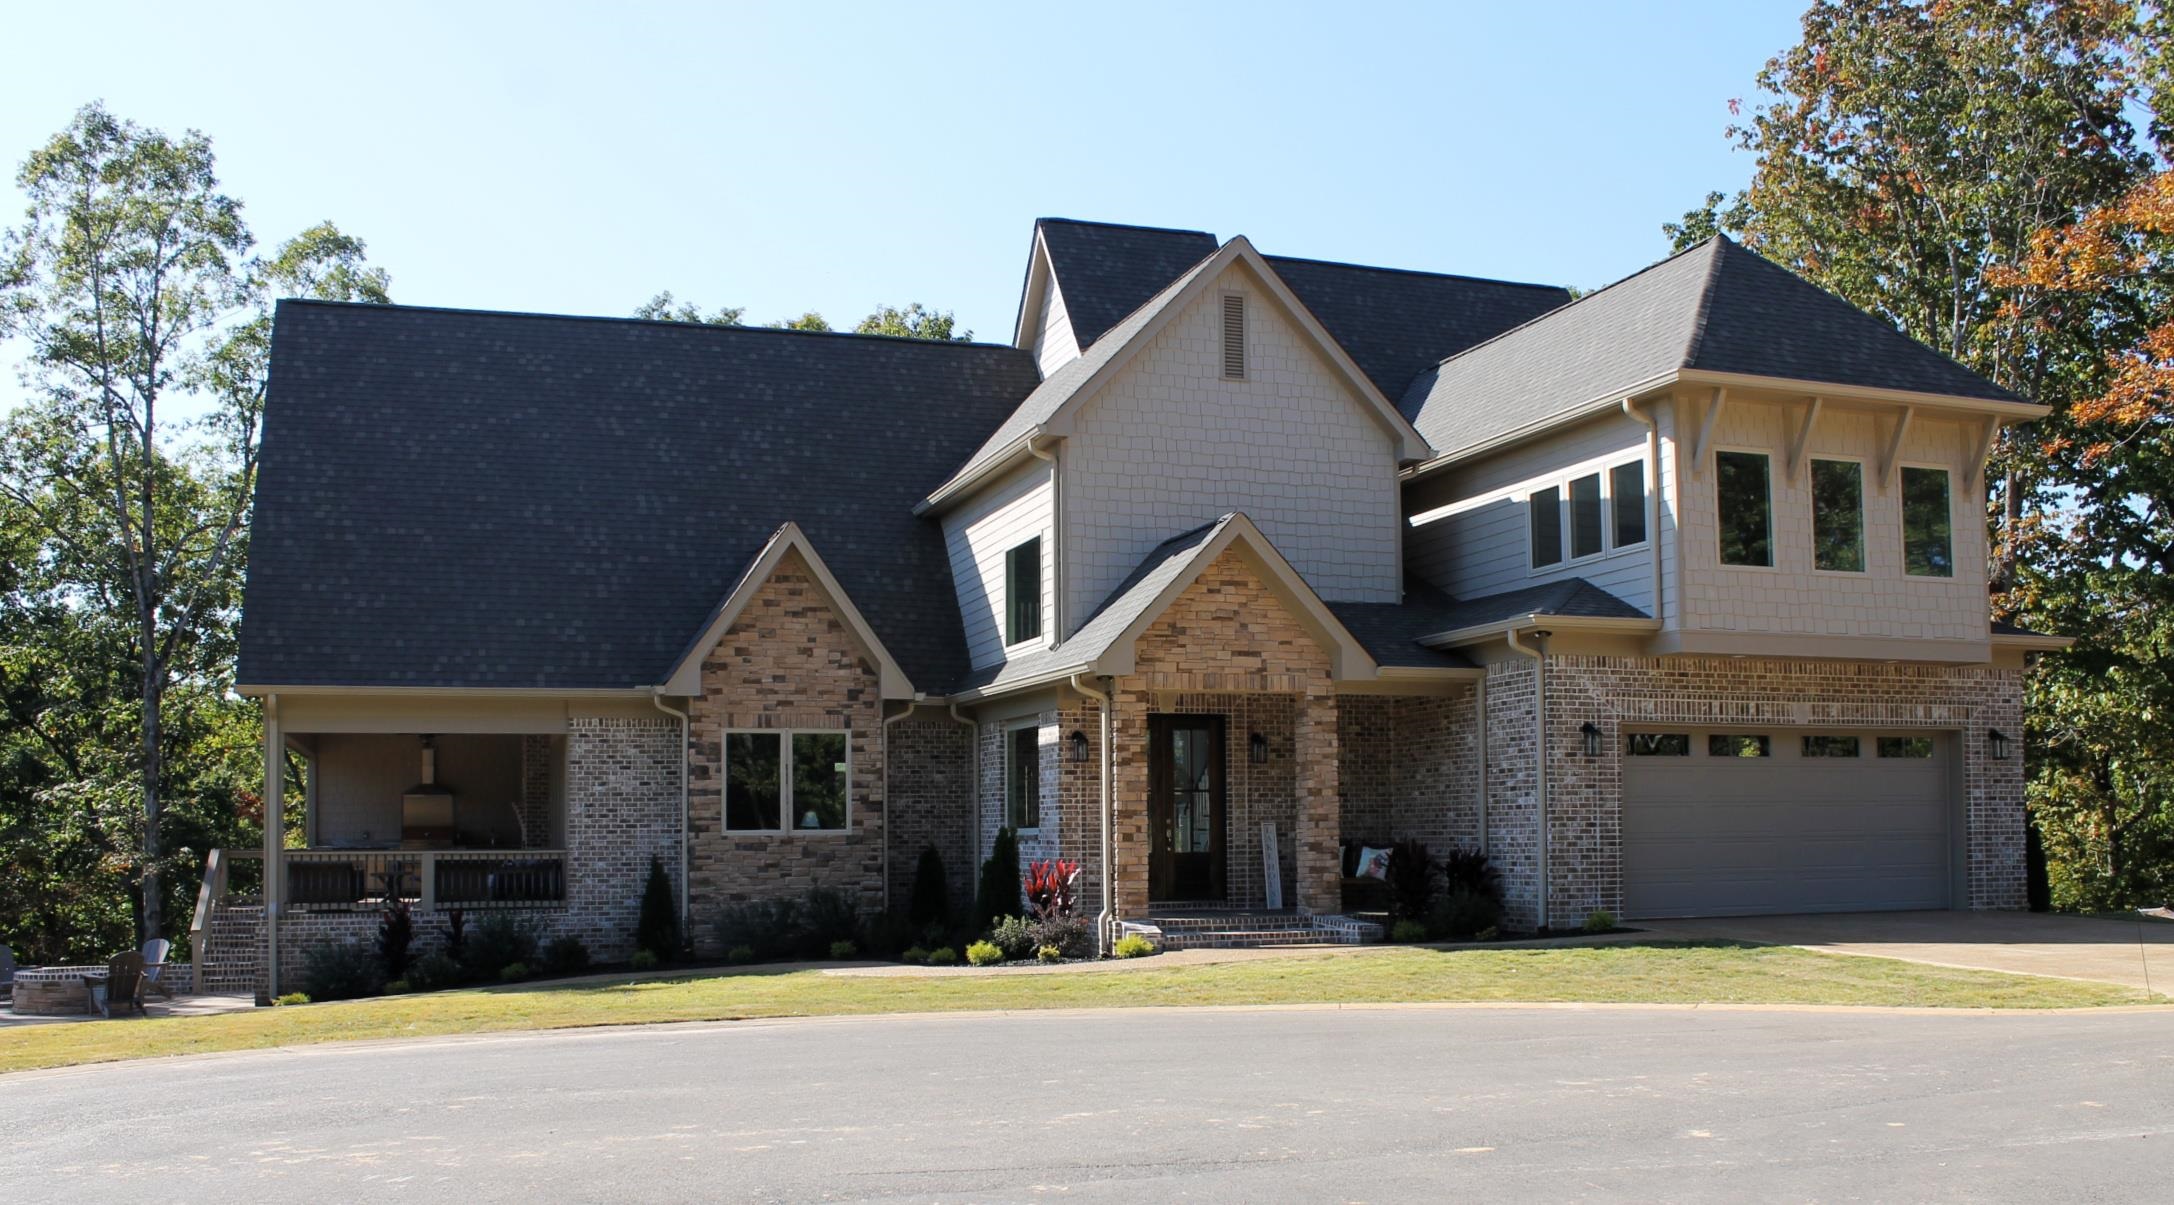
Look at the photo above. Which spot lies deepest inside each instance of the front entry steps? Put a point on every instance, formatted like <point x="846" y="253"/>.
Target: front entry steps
<point x="1218" y="927"/>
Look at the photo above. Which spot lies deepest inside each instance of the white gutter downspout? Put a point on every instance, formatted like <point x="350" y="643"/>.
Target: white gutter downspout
<point x="686" y="923"/>
<point x="1538" y="653"/>
<point x="1105" y="918"/>
<point x="1653" y="494"/>
<point x="973" y="788"/>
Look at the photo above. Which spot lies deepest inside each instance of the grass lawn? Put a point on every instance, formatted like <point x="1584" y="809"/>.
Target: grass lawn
<point x="1656" y="973"/>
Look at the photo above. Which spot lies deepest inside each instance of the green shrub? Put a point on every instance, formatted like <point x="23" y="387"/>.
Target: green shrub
<point x="828" y="916"/>
<point x="342" y="971"/>
<point x="1490" y="933"/>
<point x="842" y="950"/>
<point x="643" y="960"/>
<point x="943" y="956"/>
<point x="1463" y="913"/>
<point x="565" y="955"/>
<point x="433" y="972"/>
<point x="1412" y="876"/>
<point x="1049" y="954"/>
<point x="292" y="998"/>
<point x="398" y="987"/>
<point x="931" y="904"/>
<point x="914" y="954"/>
<point x="657" y="928"/>
<point x="772" y="929"/>
<point x="395" y="934"/>
<point x="1471" y="870"/>
<point x="1013" y="935"/>
<point x="740" y="955"/>
<point x="998" y="894"/>
<point x="1072" y="935"/>
<point x="886" y="933"/>
<point x="1133" y="945"/>
<point x="496" y="942"/>
<point x="984" y="954"/>
<point x="513" y="972"/>
<point x="1408" y="931"/>
<point x="1599" y="920"/>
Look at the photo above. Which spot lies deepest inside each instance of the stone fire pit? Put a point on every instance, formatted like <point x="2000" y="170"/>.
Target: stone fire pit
<point x="53" y="991"/>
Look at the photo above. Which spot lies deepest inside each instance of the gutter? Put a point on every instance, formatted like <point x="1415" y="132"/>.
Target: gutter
<point x="656" y="699"/>
<point x="1105" y="918"/>
<point x="1538" y="653"/>
<point x="973" y="474"/>
<point x="1478" y="633"/>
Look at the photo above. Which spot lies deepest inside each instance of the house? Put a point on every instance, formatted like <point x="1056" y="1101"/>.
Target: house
<point x="1670" y="596"/>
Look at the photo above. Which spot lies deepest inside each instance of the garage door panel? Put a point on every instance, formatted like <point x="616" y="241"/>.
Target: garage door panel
<point x="1714" y="836"/>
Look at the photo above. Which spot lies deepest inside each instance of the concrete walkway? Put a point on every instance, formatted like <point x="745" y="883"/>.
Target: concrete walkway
<point x="2137" y="954"/>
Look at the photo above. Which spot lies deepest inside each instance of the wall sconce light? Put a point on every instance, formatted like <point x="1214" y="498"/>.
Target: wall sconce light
<point x="1591" y="732"/>
<point x="1257" y="749"/>
<point x="1076" y="746"/>
<point x="1997" y="741"/>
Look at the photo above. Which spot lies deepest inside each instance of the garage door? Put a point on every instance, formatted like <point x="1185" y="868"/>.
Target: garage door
<point x="1739" y="823"/>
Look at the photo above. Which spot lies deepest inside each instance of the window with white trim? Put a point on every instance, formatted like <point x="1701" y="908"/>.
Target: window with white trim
<point x="1594" y="512"/>
<point x="790" y="781"/>
<point x="1023" y="592"/>
<point x="1585" y="516"/>
<point x="1546" y="510"/>
<point x="1023" y="778"/>
<point x="1627" y="500"/>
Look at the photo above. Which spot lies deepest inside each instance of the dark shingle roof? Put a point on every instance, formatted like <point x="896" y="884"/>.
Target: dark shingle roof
<point x="1396" y="324"/>
<point x="1716" y="307"/>
<point x="466" y="499"/>
<point x="1391" y="631"/>
<point x="1105" y="271"/>
<point x="1571" y="596"/>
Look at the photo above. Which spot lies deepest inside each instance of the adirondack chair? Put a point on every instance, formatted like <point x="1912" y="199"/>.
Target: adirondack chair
<point x="7" y="973"/>
<point x="154" y="961"/>
<point x="120" y="986"/>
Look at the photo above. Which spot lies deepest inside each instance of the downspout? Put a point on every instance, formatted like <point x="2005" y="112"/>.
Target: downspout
<point x="1653" y="495"/>
<point x="1105" y="918"/>
<point x="686" y="922"/>
<point x="887" y="722"/>
<point x="973" y="786"/>
<point x="1055" y="631"/>
<point x="1538" y="653"/>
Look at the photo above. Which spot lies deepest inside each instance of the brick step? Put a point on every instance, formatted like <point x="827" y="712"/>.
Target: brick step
<point x="1245" y="939"/>
<point x="1230" y="920"/>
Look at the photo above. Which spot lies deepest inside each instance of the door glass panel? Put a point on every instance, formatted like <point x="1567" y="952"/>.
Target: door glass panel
<point x="1192" y="813"/>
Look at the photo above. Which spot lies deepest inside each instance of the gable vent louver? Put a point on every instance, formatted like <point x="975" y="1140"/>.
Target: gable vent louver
<point x="1234" y="337"/>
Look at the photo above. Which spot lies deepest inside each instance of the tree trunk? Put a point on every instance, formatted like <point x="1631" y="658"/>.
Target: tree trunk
<point x="153" y="698"/>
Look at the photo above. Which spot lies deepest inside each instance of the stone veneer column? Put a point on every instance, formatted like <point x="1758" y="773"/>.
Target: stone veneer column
<point x="1320" y="872"/>
<point x="622" y="808"/>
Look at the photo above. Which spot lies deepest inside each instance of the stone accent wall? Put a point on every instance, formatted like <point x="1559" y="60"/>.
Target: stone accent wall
<point x="789" y="662"/>
<point x="931" y="792"/>
<point x="622" y="809"/>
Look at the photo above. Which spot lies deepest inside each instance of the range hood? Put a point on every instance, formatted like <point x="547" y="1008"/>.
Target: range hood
<point x="426" y="809"/>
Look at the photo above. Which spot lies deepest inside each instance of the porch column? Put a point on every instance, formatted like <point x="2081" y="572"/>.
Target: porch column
<point x="275" y="784"/>
<point x="1128" y="827"/>
<point x="1319" y="856"/>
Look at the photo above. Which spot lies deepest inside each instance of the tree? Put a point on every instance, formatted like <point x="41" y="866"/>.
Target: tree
<point x="913" y="322"/>
<point x="148" y="330"/>
<point x="810" y="321"/>
<point x="665" y="308"/>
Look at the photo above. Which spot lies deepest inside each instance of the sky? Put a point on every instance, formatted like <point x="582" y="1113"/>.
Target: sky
<point x="835" y="156"/>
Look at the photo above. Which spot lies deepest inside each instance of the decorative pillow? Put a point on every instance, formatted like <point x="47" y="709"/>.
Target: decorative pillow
<point x="1373" y="863"/>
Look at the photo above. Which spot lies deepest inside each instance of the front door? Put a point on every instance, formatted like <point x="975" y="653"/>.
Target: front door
<point x="1185" y="807"/>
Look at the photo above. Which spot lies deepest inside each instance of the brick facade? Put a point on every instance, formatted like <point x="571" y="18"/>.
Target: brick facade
<point x="930" y="758"/>
<point x="788" y="662"/>
<point x="622" y="809"/>
<point x="1408" y="768"/>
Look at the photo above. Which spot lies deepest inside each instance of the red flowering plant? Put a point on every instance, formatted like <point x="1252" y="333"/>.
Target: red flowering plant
<point x="1052" y="889"/>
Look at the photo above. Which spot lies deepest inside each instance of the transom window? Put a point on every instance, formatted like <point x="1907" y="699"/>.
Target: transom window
<point x="1905" y="746"/>
<point x="1023" y="777"/>
<point x="1587" y="515"/>
<point x="1838" y="516"/>
<point x="792" y="781"/>
<point x="1744" y="508"/>
<point x="1023" y="592"/>
<point x="1927" y="526"/>
<point x="1830" y="746"/>
<point x="1657" y="744"/>
<point x="1727" y="745"/>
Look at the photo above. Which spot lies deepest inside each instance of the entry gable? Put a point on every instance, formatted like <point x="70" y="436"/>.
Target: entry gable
<point x="685" y="677"/>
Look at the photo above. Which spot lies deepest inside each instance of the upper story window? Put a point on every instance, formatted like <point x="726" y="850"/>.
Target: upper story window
<point x="795" y="781"/>
<point x="1547" y="526"/>
<point x="1744" y="508"/>
<point x="1627" y="497"/>
<point x="1023" y="592"/>
<point x="1928" y="545"/>
<point x="1838" y="516"/>
<point x="1585" y="516"/>
<point x="1023" y="778"/>
<point x="1234" y="337"/>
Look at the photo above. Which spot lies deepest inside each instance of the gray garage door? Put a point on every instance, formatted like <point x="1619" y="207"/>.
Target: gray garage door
<point x="1788" y="820"/>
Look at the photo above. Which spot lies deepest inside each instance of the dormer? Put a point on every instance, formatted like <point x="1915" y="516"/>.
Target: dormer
<point x="1111" y="270"/>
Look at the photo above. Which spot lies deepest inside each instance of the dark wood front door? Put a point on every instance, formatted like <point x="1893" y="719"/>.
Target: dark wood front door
<point x="1185" y="809"/>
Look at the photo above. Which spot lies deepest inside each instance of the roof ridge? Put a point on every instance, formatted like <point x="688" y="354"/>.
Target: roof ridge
<point x="1575" y="301"/>
<point x="1705" y="298"/>
<point x="1124" y="226"/>
<point x="1487" y="280"/>
<point x="471" y="311"/>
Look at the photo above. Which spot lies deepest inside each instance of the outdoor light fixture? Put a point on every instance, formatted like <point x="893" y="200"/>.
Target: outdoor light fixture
<point x="1591" y="732"/>
<point x="1077" y="745"/>
<point x="1257" y="748"/>
<point x="1998" y="741"/>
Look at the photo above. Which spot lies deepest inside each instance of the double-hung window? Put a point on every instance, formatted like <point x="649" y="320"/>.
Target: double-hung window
<point x="1838" y="516"/>
<point x="1744" y="508"/>
<point x="1023" y="778"/>
<point x="1585" y="516"/>
<point x="1546" y="506"/>
<point x="1023" y="592"/>
<point x="790" y="781"/>
<point x="1928" y="536"/>
<point x="1627" y="498"/>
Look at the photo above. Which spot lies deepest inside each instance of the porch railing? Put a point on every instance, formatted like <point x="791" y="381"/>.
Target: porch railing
<point x="335" y="880"/>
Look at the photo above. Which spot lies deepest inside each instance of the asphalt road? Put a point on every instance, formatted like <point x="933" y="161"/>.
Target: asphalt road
<point x="1354" y="1104"/>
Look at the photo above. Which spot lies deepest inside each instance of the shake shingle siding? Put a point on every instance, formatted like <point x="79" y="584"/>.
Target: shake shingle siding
<point x="464" y="499"/>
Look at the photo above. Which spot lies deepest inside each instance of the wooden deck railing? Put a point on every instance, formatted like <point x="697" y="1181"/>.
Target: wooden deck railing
<point x="333" y="880"/>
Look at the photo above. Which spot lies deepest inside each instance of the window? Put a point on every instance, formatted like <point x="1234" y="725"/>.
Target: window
<point x="1927" y="536"/>
<point x="1023" y="592"/>
<point x="1838" y="516"/>
<point x="1023" y="777"/>
<point x="1830" y="746"/>
<point x="762" y="796"/>
<point x="1234" y="337"/>
<point x="1585" y="520"/>
<point x="1627" y="494"/>
<point x="1720" y="745"/>
<point x="1657" y="744"/>
<point x="1906" y="746"/>
<point x="1743" y="508"/>
<point x="1547" y="526"/>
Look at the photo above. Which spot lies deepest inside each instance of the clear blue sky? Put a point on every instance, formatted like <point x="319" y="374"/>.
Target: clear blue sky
<point x="834" y="156"/>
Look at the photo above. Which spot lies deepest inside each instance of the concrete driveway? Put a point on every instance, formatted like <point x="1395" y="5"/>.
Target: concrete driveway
<point x="2137" y="954"/>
